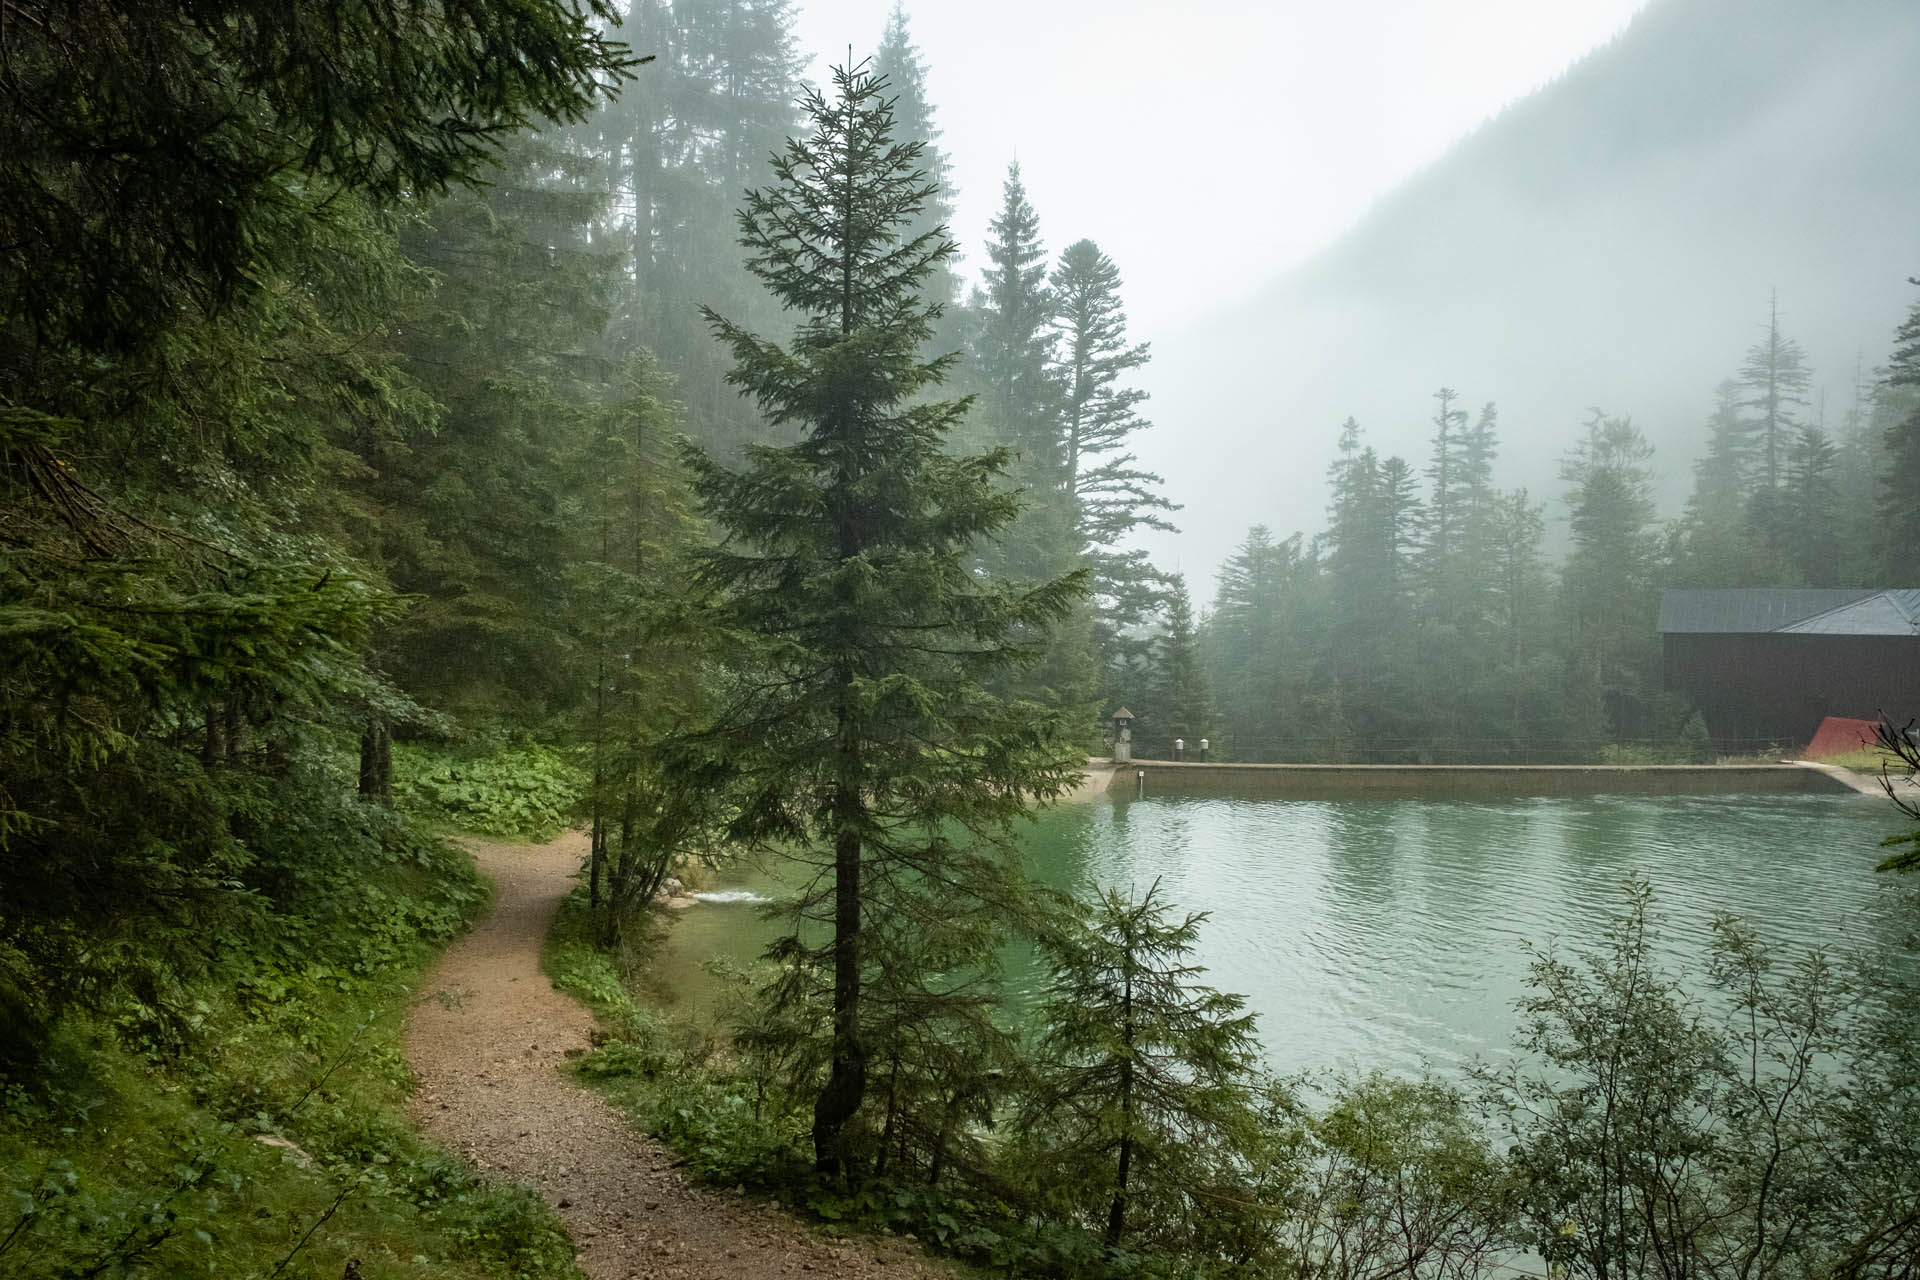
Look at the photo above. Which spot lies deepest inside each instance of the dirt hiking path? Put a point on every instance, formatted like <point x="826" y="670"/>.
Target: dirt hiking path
<point x="488" y="1042"/>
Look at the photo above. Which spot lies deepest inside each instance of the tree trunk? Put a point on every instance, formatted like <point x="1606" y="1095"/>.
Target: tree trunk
<point x="597" y="845"/>
<point x="213" y="747"/>
<point x="1117" y="1211"/>
<point x="620" y="870"/>
<point x="376" y="764"/>
<point x="596" y="853"/>
<point x="886" y="1129"/>
<point x="847" y="1083"/>
<point x="949" y="1118"/>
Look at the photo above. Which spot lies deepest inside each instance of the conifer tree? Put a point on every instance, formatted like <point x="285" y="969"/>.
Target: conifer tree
<point x="858" y="733"/>
<point x="1808" y="508"/>
<point x="678" y="148"/>
<point x="1900" y="481"/>
<point x="1399" y="513"/>
<point x="1453" y="588"/>
<point x="1144" y="1072"/>
<point x="1475" y="493"/>
<point x="1017" y="407"/>
<point x="1775" y="379"/>
<point x="1374" y="520"/>
<point x="1442" y="516"/>
<point x="1856" y="484"/>
<point x="1607" y="583"/>
<point x="1524" y="683"/>
<point x="1723" y="477"/>
<point x="1263" y="643"/>
<point x="1013" y="350"/>
<point x="1180" y="698"/>
<point x="898" y="62"/>
<point x="1478" y="449"/>
<point x="1240" y="632"/>
<point x="1106" y="494"/>
<point x="1111" y="495"/>
<point x="1716" y="542"/>
<point x="632" y="530"/>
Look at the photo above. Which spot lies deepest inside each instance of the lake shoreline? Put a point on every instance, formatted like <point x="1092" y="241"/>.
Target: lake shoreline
<point x="1459" y="781"/>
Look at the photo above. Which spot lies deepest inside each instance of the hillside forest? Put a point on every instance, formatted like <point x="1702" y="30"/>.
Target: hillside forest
<point x="486" y="413"/>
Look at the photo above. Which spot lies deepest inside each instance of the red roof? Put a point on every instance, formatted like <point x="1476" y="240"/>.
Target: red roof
<point x="1839" y="736"/>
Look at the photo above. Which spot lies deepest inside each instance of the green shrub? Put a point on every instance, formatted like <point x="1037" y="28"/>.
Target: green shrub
<point x="523" y="792"/>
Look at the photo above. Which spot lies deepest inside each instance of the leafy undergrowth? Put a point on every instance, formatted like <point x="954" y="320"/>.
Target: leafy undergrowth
<point x="264" y="1133"/>
<point x="521" y="792"/>
<point x="680" y="1081"/>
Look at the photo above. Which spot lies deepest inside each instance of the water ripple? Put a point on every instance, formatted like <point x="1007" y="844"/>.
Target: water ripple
<point x="1385" y="933"/>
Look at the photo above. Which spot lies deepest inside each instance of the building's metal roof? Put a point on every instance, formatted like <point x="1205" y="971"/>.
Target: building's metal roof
<point x="1886" y="613"/>
<point x="1747" y="609"/>
<point x="1800" y="611"/>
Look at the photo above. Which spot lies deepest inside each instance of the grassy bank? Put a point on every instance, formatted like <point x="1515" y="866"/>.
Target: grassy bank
<point x="257" y="1126"/>
<point x="1868" y="760"/>
<point x="676" y="1077"/>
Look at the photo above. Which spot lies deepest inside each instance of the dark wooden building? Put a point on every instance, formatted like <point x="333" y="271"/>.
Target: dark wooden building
<point x="1765" y="666"/>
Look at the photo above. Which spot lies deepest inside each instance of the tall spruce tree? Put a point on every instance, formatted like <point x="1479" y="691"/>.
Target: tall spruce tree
<point x="1107" y="495"/>
<point x="1112" y="497"/>
<point x="1479" y="448"/>
<point x="1145" y="1074"/>
<point x="1809" y="508"/>
<point x="1525" y="681"/>
<point x="1716" y="544"/>
<point x="1775" y="380"/>
<point x="1723" y="477"/>
<point x="1899" y="532"/>
<point x="1607" y="585"/>
<point x="1370" y="546"/>
<point x="1013" y="349"/>
<point x="1017" y="406"/>
<point x="1180" y="700"/>
<point x="1261" y="651"/>
<point x="1453" y="584"/>
<point x="898" y="61"/>
<point x="858" y="733"/>
<point x="632" y="529"/>
<point x="1856" y="483"/>
<point x="1442" y="517"/>
<point x="678" y="148"/>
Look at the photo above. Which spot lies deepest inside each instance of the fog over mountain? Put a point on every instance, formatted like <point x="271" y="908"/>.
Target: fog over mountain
<point x="1609" y="241"/>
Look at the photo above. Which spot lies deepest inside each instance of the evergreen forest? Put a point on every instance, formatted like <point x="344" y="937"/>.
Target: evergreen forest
<point x="520" y="418"/>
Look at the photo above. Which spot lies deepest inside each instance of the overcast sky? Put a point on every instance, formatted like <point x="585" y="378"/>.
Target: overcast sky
<point x="1209" y="144"/>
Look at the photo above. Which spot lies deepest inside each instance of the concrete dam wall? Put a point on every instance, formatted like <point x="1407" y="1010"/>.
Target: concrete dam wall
<point x="1464" y="781"/>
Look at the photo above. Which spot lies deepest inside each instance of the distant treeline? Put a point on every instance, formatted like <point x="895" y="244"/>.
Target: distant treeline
<point x="1427" y="624"/>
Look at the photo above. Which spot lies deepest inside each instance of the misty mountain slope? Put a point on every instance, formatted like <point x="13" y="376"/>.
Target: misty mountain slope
<point x="1610" y="240"/>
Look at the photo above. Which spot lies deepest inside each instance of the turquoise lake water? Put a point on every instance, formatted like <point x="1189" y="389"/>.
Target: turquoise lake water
<point x="1391" y="933"/>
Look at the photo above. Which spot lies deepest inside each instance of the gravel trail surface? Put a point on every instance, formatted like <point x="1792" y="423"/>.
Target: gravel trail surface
<point x="488" y="1042"/>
